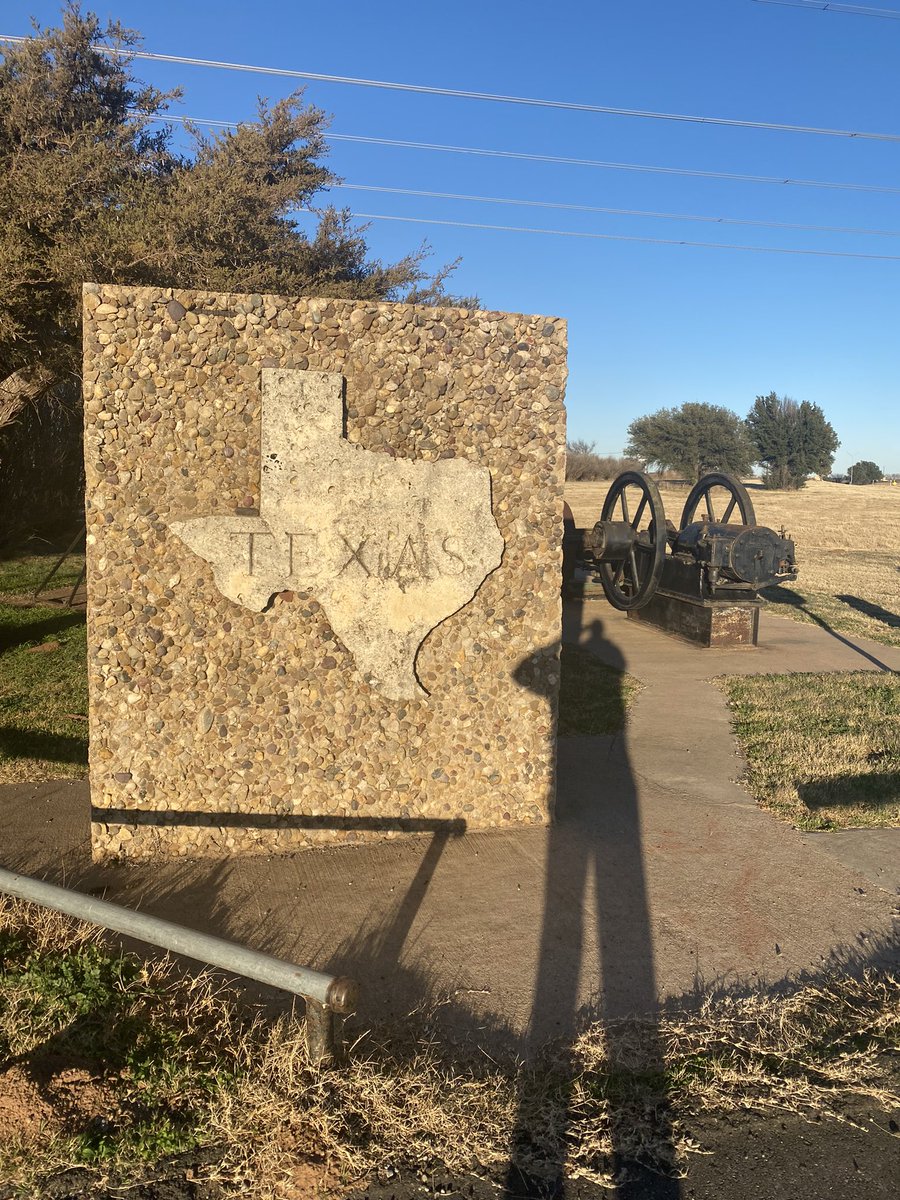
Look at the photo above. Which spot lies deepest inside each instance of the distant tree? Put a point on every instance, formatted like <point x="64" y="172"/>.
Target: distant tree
<point x="581" y="460"/>
<point x="585" y="464"/>
<point x="866" y="472"/>
<point x="792" y="440"/>
<point x="693" y="439"/>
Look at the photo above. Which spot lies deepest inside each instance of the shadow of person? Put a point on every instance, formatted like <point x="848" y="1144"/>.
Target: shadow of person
<point x="595" y="887"/>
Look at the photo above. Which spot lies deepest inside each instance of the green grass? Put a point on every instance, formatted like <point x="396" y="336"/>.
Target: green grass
<point x="593" y="697"/>
<point x="153" y="1047"/>
<point x="21" y="575"/>
<point x="43" y="694"/>
<point x="822" y="750"/>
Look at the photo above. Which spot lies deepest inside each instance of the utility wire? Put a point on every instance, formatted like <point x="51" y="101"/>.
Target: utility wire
<point x="560" y="159"/>
<point x="631" y="212"/>
<point x="858" y="10"/>
<point x="620" y="237"/>
<point x="620" y="212"/>
<point x="460" y="93"/>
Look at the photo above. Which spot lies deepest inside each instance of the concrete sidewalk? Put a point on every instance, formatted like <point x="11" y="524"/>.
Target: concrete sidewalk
<point x="660" y="877"/>
<point x="681" y="720"/>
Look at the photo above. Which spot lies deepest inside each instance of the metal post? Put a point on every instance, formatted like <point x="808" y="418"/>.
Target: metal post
<point x="59" y="562"/>
<point x="324" y="1033"/>
<point x="78" y="582"/>
<point x="326" y="996"/>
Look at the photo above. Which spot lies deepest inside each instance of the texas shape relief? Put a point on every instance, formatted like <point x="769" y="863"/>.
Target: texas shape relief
<point x="389" y="547"/>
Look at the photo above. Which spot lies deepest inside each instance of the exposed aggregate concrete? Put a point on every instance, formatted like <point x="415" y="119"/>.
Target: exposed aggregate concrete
<point x="200" y="707"/>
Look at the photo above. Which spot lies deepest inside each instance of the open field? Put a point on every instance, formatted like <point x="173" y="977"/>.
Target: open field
<point x="848" y="550"/>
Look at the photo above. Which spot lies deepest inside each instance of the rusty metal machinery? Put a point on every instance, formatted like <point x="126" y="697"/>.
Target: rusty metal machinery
<point x="692" y="580"/>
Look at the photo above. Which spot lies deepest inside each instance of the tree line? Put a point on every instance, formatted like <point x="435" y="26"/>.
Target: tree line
<point x="790" y="440"/>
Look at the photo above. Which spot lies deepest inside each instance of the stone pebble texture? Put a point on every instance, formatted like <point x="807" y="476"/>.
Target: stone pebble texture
<point x="216" y="730"/>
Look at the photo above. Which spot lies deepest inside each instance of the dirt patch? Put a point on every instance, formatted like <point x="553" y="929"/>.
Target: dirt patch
<point x="24" y="1113"/>
<point x="79" y="1097"/>
<point x="776" y="1156"/>
<point x="307" y="1182"/>
<point x="48" y="1097"/>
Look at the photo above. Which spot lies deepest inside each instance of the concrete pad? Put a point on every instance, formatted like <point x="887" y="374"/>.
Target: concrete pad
<point x="660" y="877"/>
<point x="874" y="853"/>
<point x="682" y="720"/>
<point x="785" y="645"/>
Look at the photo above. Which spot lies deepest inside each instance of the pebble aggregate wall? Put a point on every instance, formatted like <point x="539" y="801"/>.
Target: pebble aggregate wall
<point x="218" y="730"/>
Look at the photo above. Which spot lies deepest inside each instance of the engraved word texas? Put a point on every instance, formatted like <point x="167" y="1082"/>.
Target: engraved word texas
<point x="389" y="547"/>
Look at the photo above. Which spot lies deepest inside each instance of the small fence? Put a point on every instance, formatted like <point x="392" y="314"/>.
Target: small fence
<point x="328" y="998"/>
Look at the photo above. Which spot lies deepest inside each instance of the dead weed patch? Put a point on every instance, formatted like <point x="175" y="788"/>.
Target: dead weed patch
<point x="408" y="1100"/>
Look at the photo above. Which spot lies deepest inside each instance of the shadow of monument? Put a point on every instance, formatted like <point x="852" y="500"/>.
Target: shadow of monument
<point x="577" y="856"/>
<point x="871" y="790"/>
<point x="19" y="743"/>
<point x="17" y="634"/>
<point x="192" y="892"/>
<point x="439" y="826"/>
<point x="383" y="954"/>
<point x="372" y="956"/>
<point x="875" y="611"/>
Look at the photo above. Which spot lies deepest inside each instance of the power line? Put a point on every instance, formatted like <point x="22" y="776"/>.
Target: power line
<point x="561" y="159"/>
<point x="621" y="237"/>
<point x="633" y="212"/>
<point x="463" y="94"/>
<point x="858" y="10"/>
<point x="621" y="212"/>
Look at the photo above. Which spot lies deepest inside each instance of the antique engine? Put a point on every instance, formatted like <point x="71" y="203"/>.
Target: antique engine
<point x="701" y="580"/>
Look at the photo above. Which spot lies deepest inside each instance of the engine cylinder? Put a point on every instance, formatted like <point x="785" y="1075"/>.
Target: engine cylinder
<point x="611" y="541"/>
<point x="749" y="554"/>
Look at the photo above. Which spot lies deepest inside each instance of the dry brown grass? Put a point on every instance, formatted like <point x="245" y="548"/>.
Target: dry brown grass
<point x="623" y="1091"/>
<point x="848" y="549"/>
<point x="411" y="1101"/>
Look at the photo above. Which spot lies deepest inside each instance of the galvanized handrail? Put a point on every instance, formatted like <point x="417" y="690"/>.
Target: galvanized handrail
<point x="325" y="994"/>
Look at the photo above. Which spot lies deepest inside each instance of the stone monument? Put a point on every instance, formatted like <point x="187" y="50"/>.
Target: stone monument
<point x="323" y="568"/>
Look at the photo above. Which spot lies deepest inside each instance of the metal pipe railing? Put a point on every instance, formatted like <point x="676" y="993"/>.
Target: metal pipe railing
<point x="325" y="994"/>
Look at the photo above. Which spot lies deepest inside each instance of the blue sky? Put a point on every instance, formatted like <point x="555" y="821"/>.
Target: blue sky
<point x="649" y="325"/>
